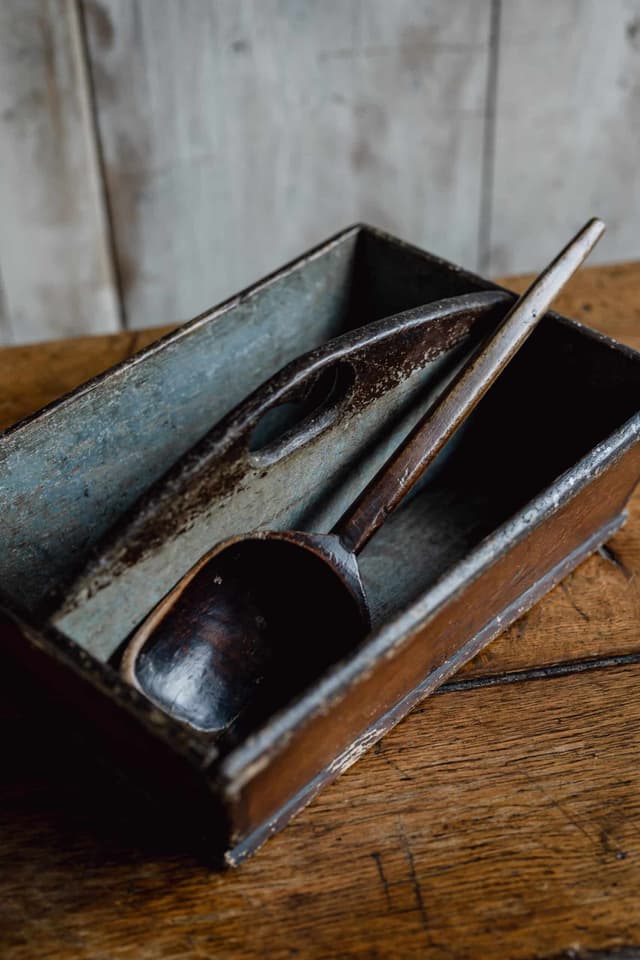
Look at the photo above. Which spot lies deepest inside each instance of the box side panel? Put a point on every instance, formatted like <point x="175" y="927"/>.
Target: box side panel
<point x="163" y="791"/>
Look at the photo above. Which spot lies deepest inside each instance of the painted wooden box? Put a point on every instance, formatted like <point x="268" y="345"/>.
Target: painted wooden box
<point x="98" y="523"/>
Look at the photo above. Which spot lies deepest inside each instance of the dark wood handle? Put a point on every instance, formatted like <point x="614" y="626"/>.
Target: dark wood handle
<point x="405" y="467"/>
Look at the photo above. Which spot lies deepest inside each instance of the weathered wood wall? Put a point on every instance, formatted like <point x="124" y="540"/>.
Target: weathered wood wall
<point x="55" y="255"/>
<point x="156" y="155"/>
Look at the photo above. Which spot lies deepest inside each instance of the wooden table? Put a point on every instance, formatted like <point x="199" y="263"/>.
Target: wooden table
<point x="500" y="819"/>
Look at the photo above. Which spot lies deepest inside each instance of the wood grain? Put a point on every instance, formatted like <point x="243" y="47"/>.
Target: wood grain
<point x="237" y="134"/>
<point x="567" y="129"/>
<point x="466" y="834"/>
<point x="502" y="818"/>
<point x="54" y="245"/>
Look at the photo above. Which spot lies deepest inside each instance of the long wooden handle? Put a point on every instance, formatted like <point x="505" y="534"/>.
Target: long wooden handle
<point x="405" y="467"/>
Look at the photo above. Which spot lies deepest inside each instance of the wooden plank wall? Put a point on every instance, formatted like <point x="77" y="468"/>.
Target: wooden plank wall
<point x="156" y="155"/>
<point x="567" y="128"/>
<point x="55" y="256"/>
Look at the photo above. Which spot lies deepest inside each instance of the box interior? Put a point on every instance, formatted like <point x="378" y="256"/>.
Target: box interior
<point x="561" y="396"/>
<point x="69" y="473"/>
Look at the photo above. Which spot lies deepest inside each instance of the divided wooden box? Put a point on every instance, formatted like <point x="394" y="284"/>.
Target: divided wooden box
<point x="537" y="479"/>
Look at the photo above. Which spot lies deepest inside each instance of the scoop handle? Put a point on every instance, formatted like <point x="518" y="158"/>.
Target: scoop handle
<point x="407" y="464"/>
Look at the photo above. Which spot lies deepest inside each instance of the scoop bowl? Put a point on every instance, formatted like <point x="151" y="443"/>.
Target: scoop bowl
<point x="250" y="624"/>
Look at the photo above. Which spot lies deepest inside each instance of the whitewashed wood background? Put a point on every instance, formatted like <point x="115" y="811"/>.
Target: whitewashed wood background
<point x="157" y="155"/>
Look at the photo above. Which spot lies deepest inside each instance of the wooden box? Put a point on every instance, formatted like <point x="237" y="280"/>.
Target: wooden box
<point x="537" y="479"/>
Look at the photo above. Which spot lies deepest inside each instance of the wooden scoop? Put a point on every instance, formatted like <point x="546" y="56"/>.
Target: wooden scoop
<point x="261" y="615"/>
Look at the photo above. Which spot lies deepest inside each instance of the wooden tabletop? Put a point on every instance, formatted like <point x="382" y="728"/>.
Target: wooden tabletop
<point x="500" y="819"/>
